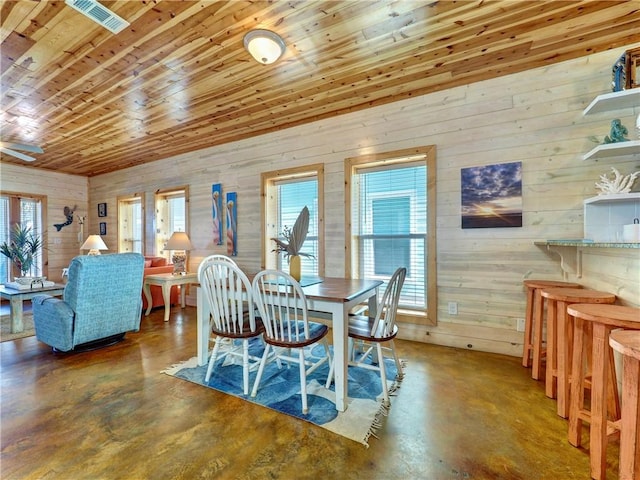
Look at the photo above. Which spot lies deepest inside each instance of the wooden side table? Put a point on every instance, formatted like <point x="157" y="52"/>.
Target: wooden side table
<point x="166" y="281"/>
<point x="627" y="342"/>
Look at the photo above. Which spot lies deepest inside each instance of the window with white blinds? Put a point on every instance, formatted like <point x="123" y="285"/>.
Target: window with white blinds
<point x="390" y="230"/>
<point x="391" y="213"/>
<point x="26" y="211"/>
<point x="286" y="193"/>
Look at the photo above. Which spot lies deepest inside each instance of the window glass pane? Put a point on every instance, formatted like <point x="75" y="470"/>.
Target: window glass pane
<point x="177" y="222"/>
<point x="170" y="217"/>
<point x="136" y="220"/>
<point x="293" y="196"/>
<point x="390" y="218"/>
<point x="4" y="237"/>
<point x="28" y="213"/>
<point x="390" y="226"/>
<point x="130" y="225"/>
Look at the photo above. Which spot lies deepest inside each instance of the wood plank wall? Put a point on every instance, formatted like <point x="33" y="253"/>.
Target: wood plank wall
<point x="61" y="190"/>
<point x="534" y="117"/>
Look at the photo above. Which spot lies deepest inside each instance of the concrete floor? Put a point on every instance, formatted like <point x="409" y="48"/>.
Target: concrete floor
<point x="111" y="414"/>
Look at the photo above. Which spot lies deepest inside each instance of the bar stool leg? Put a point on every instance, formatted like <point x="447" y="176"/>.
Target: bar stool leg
<point x="564" y="325"/>
<point x="598" y="430"/>
<point x="552" y="346"/>
<point x="613" y="400"/>
<point x="528" y="338"/>
<point x="537" y="320"/>
<point x="630" y="432"/>
<point x="577" y="385"/>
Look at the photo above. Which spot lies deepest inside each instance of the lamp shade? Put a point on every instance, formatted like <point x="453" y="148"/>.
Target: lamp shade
<point x="179" y="241"/>
<point x="264" y="45"/>
<point x="94" y="244"/>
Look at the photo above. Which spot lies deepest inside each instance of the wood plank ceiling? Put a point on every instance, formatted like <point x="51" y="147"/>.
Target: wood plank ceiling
<point x="178" y="78"/>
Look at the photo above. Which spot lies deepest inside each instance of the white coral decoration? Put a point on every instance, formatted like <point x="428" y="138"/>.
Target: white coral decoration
<point x="618" y="184"/>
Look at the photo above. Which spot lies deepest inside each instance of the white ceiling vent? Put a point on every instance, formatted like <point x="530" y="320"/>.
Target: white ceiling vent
<point x="100" y="14"/>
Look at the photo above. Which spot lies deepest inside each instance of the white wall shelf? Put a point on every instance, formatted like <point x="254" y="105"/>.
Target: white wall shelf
<point x="606" y="215"/>
<point x="613" y="150"/>
<point x="613" y="198"/>
<point x="614" y="101"/>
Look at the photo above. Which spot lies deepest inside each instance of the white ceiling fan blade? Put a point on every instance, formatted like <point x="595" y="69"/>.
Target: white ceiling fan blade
<point x="19" y="155"/>
<point x="22" y="146"/>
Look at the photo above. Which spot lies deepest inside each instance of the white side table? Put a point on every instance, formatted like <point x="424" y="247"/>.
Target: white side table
<point x="166" y="281"/>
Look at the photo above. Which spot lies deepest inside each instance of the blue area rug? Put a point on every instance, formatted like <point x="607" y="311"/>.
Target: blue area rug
<point x="280" y="390"/>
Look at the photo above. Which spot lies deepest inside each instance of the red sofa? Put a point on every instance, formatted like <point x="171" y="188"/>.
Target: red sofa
<point x="154" y="265"/>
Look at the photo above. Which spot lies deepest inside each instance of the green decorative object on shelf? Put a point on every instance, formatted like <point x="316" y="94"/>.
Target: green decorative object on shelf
<point x="618" y="132"/>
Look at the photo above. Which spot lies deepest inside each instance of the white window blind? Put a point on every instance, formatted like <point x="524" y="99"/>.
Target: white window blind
<point x="293" y="195"/>
<point x="28" y="213"/>
<point x="389" y="226"/>
<point x="31" y="216"/>
<point x="4" y="237"/>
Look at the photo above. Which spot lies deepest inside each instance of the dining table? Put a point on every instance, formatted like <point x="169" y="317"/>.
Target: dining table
<point x="331" y="297"/>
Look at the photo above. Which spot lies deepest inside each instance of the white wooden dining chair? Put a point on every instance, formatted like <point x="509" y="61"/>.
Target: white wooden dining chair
<point x="216" y="257"/>
<point x="228" y="291"/>
<point x="282" y="306"/>
<point x="375" y="332"/>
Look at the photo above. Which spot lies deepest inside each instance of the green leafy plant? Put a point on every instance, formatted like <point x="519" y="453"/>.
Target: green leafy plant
<point x="294" y="237"/>
<point x="23" y="248"/>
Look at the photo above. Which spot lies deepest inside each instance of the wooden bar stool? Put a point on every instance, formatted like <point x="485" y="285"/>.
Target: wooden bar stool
<point x="560" y="338"/>
<point x="627" y="342"/>
<point x="532" y="351"/>
<point x="595" y="323"/>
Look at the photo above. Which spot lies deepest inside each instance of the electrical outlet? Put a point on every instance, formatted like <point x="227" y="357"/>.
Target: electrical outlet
<point x="520" y="325"/>
<point x="453" y="308"/>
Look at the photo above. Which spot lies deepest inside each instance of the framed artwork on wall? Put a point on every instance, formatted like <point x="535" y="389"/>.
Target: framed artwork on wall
<point x="216" y="209"/>
<point x="491" y="196"/>
<point x="632" y="68"/>
<point x="232" y="234"/>
<point x="103" y="228"/>
<point x="102" y="209"/>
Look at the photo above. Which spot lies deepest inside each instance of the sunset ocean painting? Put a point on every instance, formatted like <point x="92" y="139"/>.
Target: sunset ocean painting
<point x="492" y="196"/>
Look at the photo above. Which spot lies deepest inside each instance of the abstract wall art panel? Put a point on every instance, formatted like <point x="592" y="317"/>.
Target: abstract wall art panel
<point x="232" y="234"/>
<point x="216" y="208"/>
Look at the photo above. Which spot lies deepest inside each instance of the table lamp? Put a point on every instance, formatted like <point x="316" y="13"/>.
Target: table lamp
<point x="179" y="242"/>
<point x="94" y="244"/>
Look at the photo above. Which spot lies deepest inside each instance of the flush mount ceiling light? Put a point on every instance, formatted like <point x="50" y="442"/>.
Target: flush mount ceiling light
<point x="264" y="45"/>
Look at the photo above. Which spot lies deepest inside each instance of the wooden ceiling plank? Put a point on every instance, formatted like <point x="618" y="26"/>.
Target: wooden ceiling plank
<point x="180" y="80"/>
<point x="17" y="17"/>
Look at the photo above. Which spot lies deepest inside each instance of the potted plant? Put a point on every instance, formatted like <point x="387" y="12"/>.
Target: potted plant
<point x="22" y="249"/>
<point x="294" y="239"/>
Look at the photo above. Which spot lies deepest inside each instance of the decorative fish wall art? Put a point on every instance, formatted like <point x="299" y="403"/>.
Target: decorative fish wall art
<point x="68" y="212"/>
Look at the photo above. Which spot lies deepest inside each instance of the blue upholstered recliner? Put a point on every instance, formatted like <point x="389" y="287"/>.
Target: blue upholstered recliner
<point x="101" y="302"/>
